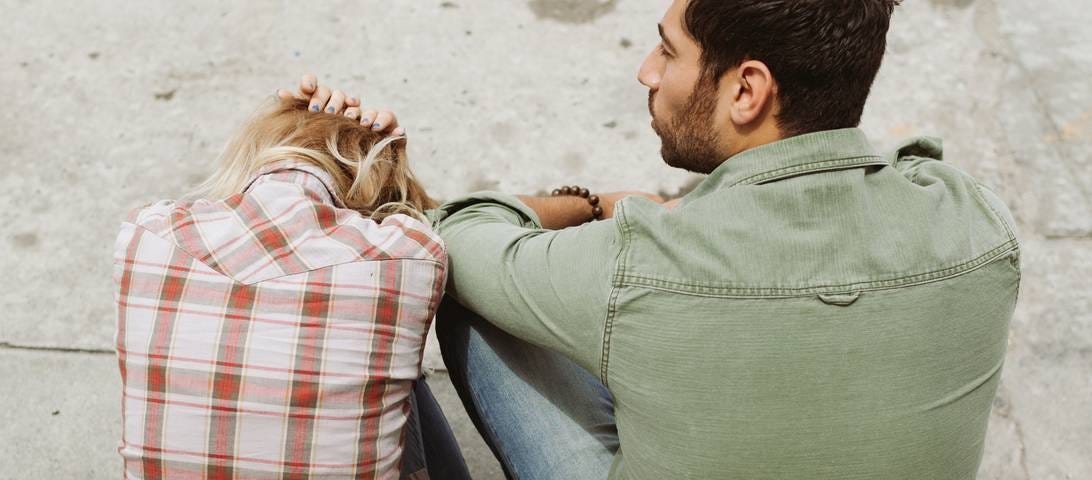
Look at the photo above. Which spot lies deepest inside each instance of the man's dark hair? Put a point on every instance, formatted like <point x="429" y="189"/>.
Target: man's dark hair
<point x="823" y="54"/>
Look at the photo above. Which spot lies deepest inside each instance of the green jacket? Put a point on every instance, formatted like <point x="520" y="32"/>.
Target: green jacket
<point x="811" y="310"/>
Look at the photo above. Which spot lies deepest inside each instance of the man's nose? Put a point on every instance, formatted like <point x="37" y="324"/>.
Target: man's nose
<point x="649" y="74"/>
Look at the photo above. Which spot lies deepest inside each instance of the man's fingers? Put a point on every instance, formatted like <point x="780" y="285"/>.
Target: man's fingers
<point x="319" y="99"/>
<point x="352" y="112"/>
<point x="308" y="84"/>
<point x="337" y="102"/>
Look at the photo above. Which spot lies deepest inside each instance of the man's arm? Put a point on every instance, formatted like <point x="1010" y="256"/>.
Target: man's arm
<point x="555" y="213"/>
<point x="549" y="287"/>
<point x="569" y="211"/>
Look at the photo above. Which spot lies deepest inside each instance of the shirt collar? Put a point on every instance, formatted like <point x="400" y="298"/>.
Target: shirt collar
<point x="318" y="182"/>
<point x="799" y="155"/>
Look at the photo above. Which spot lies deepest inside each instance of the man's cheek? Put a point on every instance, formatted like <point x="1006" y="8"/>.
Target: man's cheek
<point x="656" y="108"/>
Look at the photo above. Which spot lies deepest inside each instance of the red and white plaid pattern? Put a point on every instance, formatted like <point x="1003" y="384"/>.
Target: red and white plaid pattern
<point x="270" y="335"/>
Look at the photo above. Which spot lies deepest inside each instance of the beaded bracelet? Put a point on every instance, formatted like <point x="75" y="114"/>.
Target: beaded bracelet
<point x="577" y="191"/>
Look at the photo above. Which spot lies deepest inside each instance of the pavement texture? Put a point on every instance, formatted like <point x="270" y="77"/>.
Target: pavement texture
<point x="113" y="104"/>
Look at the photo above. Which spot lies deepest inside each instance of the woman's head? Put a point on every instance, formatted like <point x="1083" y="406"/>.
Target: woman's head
<point x="370" y="170"/>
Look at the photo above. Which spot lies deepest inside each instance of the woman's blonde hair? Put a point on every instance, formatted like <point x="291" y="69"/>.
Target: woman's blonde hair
<point x="370" y="170"/>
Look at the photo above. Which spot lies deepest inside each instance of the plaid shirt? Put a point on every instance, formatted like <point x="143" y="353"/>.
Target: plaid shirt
<point x="274" y="334"/>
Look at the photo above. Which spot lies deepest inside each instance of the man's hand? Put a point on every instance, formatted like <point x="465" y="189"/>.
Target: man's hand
<point x="335" y="102"/>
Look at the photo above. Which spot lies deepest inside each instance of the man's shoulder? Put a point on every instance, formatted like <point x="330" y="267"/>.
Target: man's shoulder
<point x="857" y="227"/>
<point x="921" y="162"/>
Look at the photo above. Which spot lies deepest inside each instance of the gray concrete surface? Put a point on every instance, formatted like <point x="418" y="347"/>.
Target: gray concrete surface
<point x="113" y="104"/>
<point x="61" y="421"/>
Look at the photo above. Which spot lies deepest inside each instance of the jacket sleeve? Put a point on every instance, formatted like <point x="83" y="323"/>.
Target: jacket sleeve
<point x="548" y="287"/>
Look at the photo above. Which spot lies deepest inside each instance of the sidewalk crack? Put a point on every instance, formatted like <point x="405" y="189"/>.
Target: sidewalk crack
<point x="39" y="348"/>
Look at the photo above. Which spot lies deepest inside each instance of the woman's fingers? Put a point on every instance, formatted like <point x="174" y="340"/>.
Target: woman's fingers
<point x="385" y="121"/>
<point x="337" y="102"/>
<point x="367" y="117"/>
<point x="319" y="99"/>
<point x="322" y="99"/>
<point x="308" y="85"/>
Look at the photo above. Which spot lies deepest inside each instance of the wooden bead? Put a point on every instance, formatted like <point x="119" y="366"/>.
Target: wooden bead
<point x="594" y="200"/>
<point x="597" y="212"/>
<point x="566" y="190"/>
<point x="556" y="192"/>
<point x="584" y="192"/>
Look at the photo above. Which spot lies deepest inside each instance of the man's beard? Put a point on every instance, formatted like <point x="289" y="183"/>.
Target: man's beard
<point x="690" y="141"/>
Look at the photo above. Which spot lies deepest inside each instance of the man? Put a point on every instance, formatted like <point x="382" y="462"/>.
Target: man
<point x="810" y="310"/>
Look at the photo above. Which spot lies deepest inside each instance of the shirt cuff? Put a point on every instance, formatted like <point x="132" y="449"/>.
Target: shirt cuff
<point x="506" y="208"/>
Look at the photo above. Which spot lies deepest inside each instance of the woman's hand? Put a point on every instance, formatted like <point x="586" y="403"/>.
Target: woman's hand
<point x="335" y="102"/>
<point x="608" y="200"/>
<point x="671" y="204"/>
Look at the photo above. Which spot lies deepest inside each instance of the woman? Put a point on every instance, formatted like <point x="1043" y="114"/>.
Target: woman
<point x="273" y="326"/>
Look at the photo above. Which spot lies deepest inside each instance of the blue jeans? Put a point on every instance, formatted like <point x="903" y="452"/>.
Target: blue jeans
<point x="430" y="450"/>
<point x="543" y="416"/>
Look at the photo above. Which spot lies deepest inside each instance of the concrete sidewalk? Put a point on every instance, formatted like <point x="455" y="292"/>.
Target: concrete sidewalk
<point x="62" y="419"/>
<point x="115" y="104"/>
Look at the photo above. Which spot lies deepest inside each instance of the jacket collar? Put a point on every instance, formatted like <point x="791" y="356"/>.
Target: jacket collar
<point x="799" y="155"/>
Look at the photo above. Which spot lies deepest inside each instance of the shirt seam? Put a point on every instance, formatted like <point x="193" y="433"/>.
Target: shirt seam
<point x="359" y="260"/>
<point x="694" y="289"/>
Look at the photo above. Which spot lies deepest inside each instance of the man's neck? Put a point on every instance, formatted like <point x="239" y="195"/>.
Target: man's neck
<point x="763" y="135"/>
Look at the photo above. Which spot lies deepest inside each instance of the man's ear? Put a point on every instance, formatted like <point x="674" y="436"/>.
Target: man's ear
<point x="752" y="91"/>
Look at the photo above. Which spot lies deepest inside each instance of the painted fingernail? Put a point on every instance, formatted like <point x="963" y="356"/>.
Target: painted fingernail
<point x="330" y="109"/>
<point x="375" y="126"/>
<point x="352" y="99"/>
<point x="365" y="120"/>
<point x="348" y="113"/>
<point x="311" y="86"/>
<point x="314" y="108"/>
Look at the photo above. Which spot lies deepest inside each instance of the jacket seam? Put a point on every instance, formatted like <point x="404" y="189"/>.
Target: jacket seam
<point x="1010" y="230"/>
<point x="612" y="303"/>
<point x="808" y="167"/>
<point x="996" y="215"/>
<point x="777" y="292"/>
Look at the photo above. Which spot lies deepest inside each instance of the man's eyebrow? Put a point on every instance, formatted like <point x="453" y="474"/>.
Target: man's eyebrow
<point x="663" y="37"/>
